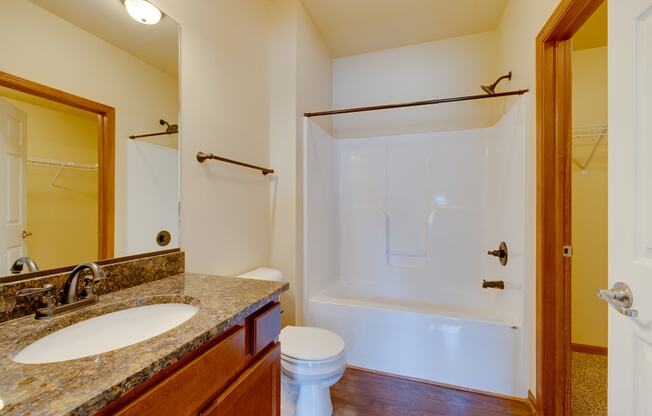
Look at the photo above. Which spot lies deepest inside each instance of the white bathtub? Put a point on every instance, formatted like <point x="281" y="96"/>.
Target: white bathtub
<point x="448" y="336"/>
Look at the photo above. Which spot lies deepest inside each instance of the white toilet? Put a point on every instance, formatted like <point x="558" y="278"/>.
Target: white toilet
<point x="312" y="360"/>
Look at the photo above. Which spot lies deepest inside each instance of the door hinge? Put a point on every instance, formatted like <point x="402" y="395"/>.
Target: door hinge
<point x="568" y="251"/>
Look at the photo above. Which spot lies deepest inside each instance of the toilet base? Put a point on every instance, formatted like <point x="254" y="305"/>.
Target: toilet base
<point x="307" y="400"/>
<point x="314" y="400"/>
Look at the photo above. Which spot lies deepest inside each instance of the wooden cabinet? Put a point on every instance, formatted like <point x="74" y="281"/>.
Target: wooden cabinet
<point x="237" y="373"/>
<point x="256" y="392"/>
<point x="194" y="382"/>
<point x="265" y="328"/>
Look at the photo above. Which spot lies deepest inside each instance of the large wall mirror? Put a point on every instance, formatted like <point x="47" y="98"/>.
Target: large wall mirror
<point x="89" y="135"/>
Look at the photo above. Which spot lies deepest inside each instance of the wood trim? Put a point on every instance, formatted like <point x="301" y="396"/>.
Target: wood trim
<point x="437" y="384"/>
<point x="590" y="349"/>
<point x="532" y="402"/>
<point x="553" y="115"/>
<point x="106" y="156"/>
<point x="106" y="186"/>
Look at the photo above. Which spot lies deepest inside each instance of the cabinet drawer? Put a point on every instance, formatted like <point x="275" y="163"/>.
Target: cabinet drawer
<point x="187" y="390"/>
<point x="265" y="328"/>
<point x="256" y="392"/>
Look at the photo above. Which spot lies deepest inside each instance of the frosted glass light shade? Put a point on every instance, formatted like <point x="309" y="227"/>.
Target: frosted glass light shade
<point x="143" y="11"/>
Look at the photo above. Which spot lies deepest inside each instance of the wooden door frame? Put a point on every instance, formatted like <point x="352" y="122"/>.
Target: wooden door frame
<point x="106" y="154"/>
<point x="554" y="147"/>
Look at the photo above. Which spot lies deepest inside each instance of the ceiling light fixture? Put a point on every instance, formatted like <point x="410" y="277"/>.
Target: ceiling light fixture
<point x="143" y="11"/>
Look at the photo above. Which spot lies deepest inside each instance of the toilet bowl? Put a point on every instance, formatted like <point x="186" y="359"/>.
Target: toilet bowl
<point x="312" y="360"/>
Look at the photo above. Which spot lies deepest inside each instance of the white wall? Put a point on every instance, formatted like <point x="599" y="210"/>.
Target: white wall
<point x="300" y="81"/>
<point x="44" y="48"/>
<point x="225" y="110"/>
<point x="517" y="31"/>
<point x="152" y="196"/>
<point x="445" y="68"/>
<point x="411" y="210"/>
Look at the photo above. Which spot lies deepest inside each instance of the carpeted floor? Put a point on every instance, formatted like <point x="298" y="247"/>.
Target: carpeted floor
<point x="589" y="384"/>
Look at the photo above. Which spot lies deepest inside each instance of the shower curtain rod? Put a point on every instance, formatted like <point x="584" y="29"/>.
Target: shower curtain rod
<point x="414" y="103"/>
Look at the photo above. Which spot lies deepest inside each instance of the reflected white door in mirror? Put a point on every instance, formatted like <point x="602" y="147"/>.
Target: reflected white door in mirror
<point x="13" y="154"/>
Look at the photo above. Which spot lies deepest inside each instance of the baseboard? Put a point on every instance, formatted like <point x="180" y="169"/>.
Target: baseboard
<point x="437" y="384"/>
<point x="532" y="402"/>
<point x="589" y="349"/>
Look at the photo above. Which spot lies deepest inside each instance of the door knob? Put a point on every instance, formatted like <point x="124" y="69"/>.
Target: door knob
<point x="620" y="297"/>
<point x="25" y="234"/>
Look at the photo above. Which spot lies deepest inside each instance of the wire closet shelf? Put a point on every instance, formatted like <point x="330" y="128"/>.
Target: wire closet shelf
<point x="61" y="165"/>
<point x="589" y="136"/>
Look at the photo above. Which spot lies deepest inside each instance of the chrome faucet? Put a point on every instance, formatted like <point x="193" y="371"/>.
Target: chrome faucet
<point x="70" y="291"/>
<point x="21" y="262"/>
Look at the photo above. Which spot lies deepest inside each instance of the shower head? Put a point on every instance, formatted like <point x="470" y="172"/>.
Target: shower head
<point x="491" y="89"/>
<point x="169" y="128"/>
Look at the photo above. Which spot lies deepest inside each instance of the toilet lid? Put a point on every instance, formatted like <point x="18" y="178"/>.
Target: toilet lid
<point x="306" y="343"/>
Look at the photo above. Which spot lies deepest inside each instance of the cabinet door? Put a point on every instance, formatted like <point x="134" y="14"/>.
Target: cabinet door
<point x="257" y="392"/>
<point x="265" y="328"/>
<point x="188" y="389"/>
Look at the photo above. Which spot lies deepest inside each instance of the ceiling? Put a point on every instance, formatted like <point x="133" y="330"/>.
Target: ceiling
<point x="107" y="19"/>
<point x="593" y="33"/>
<point x="352" y="27"/>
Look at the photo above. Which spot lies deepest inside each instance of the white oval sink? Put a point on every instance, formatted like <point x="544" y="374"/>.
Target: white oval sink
<point x="106" y="333"/>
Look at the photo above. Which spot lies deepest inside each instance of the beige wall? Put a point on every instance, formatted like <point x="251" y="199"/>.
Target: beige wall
<point x="589" y="273"/>
<point x="300" y="81"/>
<point x="225" y="104"/>
<point x="517" y="31"/>
<point x="67" y="211"/>
<point x="41" y="47"/>
<point x="444" y="68"/>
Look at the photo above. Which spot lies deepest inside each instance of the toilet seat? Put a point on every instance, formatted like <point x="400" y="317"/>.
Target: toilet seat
<point x="310" y="344"/>
<point x="311" y="353"/>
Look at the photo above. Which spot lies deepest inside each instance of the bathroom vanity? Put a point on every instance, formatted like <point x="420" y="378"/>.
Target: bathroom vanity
<point x="237" y="373"/>
<point x="224" y="360"/>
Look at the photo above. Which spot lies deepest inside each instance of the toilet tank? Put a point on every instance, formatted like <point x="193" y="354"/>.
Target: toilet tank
<point x="263" y="273"/>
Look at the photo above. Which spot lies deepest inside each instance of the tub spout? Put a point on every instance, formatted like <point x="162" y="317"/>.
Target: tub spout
<point x="493" y="284"/>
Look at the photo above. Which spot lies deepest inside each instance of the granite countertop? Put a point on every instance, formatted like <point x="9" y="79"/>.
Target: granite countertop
<point x="86" y="385"/>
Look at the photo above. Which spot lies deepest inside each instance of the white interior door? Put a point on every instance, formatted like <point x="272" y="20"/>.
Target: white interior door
<point x="13" y="186"/>
<point x="630" y="204"/>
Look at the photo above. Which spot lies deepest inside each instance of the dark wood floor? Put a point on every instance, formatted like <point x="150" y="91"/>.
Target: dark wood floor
<point x="362" y="393"/>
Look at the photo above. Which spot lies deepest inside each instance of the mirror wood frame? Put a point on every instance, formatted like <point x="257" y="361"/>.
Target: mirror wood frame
<point x="106" y="154"/>
<point x="553" y="229"/>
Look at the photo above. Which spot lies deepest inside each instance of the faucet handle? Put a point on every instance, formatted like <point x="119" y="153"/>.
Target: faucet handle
<point x="48" y="299"/>
<point x="501" y="253"/>
<point x="49" y="287"/>
<point x="90" y="282"/>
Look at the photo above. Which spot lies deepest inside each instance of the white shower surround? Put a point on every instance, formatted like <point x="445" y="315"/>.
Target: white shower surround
<point x="396" y="231"/>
